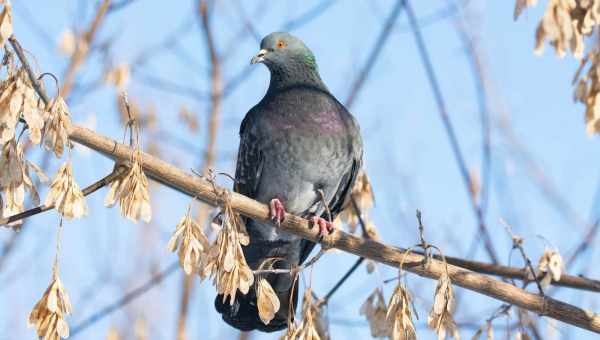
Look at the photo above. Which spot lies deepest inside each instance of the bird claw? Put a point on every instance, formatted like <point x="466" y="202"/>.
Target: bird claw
<point x="276" y="211"/>
<point x="325" y="227"/>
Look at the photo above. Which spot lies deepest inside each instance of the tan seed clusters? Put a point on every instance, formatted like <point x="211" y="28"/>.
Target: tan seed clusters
<point x="15" y="180"/>
<point x="551" y="266"/>
<point x="399" y="314"/>
<point x="440" y="317"/>
<point x="131" y="191"/>
<point x="17" y="97"/>
<point x="362" y="193"/>
<point x="311" y="326"/>
<point x="57" y="126"/>
<point x="6" y="22"/>
<point x="119" y="76"/>
<point x="564" y="25"/>
<point x="267" y="301"/>
<point x="48" y="314"/>
<point x="65" y="194"/>
<point x="375" y="311"/>
<point x="226" y="263"/>
<point x="587" y="89"/>
<point x="191" y="243"/>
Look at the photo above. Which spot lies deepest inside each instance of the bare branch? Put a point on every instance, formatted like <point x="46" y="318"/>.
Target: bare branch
<point x="489" y="246"/>
<point x="80" y="54"/>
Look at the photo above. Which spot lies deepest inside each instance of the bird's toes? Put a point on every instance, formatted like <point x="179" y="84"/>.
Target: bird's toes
<point x="276" y="210"/>
<point x="325" y="227"/>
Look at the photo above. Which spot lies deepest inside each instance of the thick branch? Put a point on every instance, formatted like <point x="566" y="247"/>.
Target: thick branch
<point x="189" y="184"/>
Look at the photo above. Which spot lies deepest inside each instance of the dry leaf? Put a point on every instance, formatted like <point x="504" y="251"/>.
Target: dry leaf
<point x="399" y="314"/>
<point x="48" y="314"/>
<point x="188" y="118"/>
<point x="65" y="195"/>
<point x="17" y="97"/>
<point x="141" y="329"/>
<point x="191" y="242"/>
<point x="56" y="127"/>
<point x="440" y="317"/>
<point x="551" y="265"/>
<point x="362" y="193"/>
<point x="15" y="180"/>
<point x="308" y="327"/>
<point x="489" y="331"/>
<point x="226" y="263"/>
<point x="118" y="77"/>
<point x="113" y="334"/>
<point x="587" y="89"/>
<point x="266" y="300"/>
<point x="520" y="5"/>
<point x="375" y="311"/>
<point x="565" y="24"/>
<point x="67" y="42"/>
<point x="6" y="23"/>
<point x="131" y="191"/>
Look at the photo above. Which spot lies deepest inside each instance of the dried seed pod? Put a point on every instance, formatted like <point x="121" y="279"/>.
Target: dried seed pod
<point x="551" y="266"/>
<point x="56" y="127"/>
<point x="266" y="300"/>
<point x="131" y="191"/>
<point x="440" y="317"/>
<point x="375" y="311"/>
<point x="191" y="242"/>
<point x="226" y="263"/>
<point x="48" y="313"/>
<point x="65" y="194"/>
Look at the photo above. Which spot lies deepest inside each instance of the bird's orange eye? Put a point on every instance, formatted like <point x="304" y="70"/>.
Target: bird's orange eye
<point x="280" y="44"/>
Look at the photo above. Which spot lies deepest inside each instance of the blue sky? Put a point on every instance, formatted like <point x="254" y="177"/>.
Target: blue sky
<point x="407" y="153"/>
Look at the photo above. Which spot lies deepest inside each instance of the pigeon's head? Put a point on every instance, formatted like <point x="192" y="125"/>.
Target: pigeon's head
<point x="279" y="50"/>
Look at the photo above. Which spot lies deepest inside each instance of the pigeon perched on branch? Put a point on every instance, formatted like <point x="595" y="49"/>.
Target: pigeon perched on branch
<point x="300" y="151"/>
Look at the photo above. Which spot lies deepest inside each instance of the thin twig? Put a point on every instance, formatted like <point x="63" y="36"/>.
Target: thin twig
<point x="374" y="54"/>
<point x="124" y="300"/>
<point x="117" y="172"/>
<point x="517" y="242"/>
<point x="80" y="54"/>
<point x="439" y="99"/>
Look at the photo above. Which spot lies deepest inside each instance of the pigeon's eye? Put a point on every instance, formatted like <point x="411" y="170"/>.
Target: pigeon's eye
<point x="280" y="44"/>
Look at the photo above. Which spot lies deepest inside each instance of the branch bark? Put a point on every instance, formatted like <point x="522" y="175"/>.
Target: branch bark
<point x="191" y="185"/>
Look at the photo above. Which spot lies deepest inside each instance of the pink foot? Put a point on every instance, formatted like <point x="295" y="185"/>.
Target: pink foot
<point x="325" y="227"/>
<point x="277" y="211"/>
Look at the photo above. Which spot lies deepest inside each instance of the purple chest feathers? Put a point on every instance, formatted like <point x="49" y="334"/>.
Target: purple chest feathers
<point x="325" y="122"/>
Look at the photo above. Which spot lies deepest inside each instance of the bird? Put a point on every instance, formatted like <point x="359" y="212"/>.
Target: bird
<point x="300" y="152"/>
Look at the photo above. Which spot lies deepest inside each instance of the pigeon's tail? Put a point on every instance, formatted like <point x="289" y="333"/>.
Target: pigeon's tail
<point x="243" y="314"/>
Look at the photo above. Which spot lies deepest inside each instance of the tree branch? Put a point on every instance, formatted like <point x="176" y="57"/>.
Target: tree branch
<point x="80" y="53"/>
<point x="194" y="186"/>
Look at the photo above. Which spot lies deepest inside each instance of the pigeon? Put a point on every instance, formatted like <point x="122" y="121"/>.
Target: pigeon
<point x="300" y="152"/>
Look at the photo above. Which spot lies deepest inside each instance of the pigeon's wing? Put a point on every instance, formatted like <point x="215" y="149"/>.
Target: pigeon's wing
<point x="344" y="190"/>
<point x="250" y="162"/>
<point x="341" y="196"/>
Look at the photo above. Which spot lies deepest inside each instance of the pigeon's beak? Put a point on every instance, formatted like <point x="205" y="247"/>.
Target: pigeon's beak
<point x="259" y="57"/>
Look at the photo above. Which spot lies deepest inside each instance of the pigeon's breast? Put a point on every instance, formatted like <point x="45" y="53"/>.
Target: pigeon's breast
<point x="301" y="159"/>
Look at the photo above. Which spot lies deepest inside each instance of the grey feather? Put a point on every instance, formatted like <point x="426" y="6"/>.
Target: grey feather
<point x="297" y="140"/>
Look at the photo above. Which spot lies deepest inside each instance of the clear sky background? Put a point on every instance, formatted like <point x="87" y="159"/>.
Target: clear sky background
<point x="407" y="153"/>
